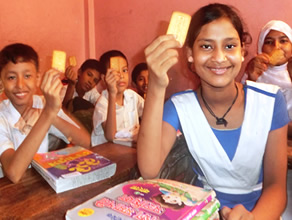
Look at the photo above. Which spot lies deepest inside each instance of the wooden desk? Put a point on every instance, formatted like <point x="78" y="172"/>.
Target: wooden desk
<point x="33" y="198"/>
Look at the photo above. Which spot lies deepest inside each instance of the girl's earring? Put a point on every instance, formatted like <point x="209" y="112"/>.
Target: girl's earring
<point x="191" y="63"/>
<point x="242" y="58"/>
<point x="190" y="59"/>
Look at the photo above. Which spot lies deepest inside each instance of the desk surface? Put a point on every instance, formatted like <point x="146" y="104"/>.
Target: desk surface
<point x="33" y="198"/>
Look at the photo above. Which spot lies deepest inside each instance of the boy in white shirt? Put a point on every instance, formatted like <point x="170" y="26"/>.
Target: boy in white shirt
<point x="25" y="118"/>
<point x="80" y="95"/>
<point x="83" y="82"/>
<point x="118" y="108"/>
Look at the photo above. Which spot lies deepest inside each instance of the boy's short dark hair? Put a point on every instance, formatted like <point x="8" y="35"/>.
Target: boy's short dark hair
<point x="91" y="64"/>
<point x="137" y="70"/>
<point x="105" y="58"/>
<point x="17" y="53"/>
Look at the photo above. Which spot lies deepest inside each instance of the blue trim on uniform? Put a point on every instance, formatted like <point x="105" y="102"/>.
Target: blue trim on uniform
<point x="259" y="90"/>
<point x="182" y="92"/>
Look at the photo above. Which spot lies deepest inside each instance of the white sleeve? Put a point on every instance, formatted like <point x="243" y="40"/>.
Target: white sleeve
<point x="5" y="136"/>
<point x="100" y="112"/>
<point x="5" y="140"/>
<point x="93" y="96"/>
<point x="99" y="116"/>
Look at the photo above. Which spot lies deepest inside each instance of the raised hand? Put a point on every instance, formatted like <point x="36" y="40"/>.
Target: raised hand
<point x="111" y="79"/>
<point x="256" y="66"/>
<point x="51" y="87"/>
<point x="71" y="74"/>
<point x="161" y="55"/>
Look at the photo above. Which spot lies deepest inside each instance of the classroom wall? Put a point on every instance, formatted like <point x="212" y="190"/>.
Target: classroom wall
<point x="130" y="25"/>
<point x="87" y="28"/>
<point x="45" y="25"/>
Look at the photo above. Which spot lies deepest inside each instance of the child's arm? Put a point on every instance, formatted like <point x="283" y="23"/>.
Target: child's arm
<point x="155" y="137"/>
<point x="77" y="135"/>
<point x="72" y="78"/>
<point x="256" y="66"/>
<point x="110" y="125"/>
<point x="16" y="162"/>
<point x="273" y="199"/>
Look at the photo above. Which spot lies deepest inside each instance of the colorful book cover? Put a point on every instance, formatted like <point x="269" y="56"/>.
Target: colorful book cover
<point x="145" y="199"/>
<point x="72" y="167"/>
<point x="208" y="210"/>
<point x="214" y="216"/>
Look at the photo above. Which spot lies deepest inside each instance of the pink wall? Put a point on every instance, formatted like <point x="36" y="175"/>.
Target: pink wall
<point x="86" y="28"/>
<point x="45" y="25"/>
<point x="130" y="25"/>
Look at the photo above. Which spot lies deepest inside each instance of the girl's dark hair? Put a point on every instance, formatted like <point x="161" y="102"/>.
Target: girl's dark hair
<point x="105" y="58"/>
<point x="213" y="12"/>
<point x="137" y="70"/>
<point x="17" y="53"/>
<point x="91" y="64"/>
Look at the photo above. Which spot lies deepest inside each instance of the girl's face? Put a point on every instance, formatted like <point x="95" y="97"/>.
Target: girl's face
<point x="276" y="40"/>
<point x="20" y="83"/>
<point x="172" y="198"/>
<point x="142" y="82"/>
<point x="217" y="53"/>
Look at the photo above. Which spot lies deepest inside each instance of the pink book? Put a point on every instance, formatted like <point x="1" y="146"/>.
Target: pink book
<point x="72" y="167"/>
<point x="145" y="199"/>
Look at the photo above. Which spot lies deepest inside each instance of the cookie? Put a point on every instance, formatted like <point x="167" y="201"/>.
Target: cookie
<point x="179" y="26"/>
<point x="59" y="60"/>
<point x="115" y="63"/>
<point x="276" y="56"/>
<point x="72" y="61"/>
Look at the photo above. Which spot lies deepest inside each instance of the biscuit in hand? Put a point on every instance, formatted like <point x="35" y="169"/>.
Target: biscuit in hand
<point x="115" y="63"/>
<point x="276" y="56"/>
<point x="72" y="61"/>
<point x="59" y="60"/>
<point x="179" y="26"/>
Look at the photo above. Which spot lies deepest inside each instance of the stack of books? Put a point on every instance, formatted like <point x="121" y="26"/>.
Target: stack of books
<point x="72" y="167"/>
<point x="150" y="199"/>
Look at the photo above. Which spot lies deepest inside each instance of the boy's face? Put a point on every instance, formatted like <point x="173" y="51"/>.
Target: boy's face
<point x="122" y="75"/>
<point x="20" y="83"/>
<point x="142" y="81"/>
<point x="88" y="79"/>
<point x="276" y="40"/>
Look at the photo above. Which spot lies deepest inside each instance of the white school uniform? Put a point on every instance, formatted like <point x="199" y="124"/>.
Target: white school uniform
<point x="127" y="116"/>
<point x="12" y="137"/>
<point x="241" y="175"/>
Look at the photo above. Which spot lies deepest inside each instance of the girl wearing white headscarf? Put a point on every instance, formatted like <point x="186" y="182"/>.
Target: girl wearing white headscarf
<point x="275" y="37"/>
